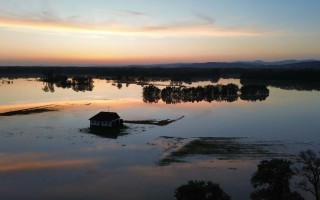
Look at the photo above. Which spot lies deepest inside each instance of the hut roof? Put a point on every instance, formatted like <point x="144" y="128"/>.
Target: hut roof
<point x="105" y="116"/>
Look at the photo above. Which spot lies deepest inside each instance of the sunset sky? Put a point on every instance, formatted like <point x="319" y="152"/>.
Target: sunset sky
<point x="106" y="32"/>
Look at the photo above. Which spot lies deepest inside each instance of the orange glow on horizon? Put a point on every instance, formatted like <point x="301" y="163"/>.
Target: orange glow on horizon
<point x="68" y="42"/>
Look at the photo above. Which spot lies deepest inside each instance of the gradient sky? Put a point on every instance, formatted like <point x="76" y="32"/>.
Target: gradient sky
<point x="98" y="32"/>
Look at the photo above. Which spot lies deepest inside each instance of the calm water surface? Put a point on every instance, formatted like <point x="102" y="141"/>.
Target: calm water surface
<point x="50" y="155"/>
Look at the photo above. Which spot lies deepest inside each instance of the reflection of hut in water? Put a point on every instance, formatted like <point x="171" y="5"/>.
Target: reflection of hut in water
<point x="106" y="120"/>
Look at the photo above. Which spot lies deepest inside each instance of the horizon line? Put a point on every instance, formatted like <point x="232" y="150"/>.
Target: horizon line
<point x="166" y="63"/>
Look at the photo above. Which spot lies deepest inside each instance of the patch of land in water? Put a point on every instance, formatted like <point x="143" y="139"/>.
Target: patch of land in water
<point x="29" y="111"/>
<point x="153" y="122"/>
<point x="221" y="148"/>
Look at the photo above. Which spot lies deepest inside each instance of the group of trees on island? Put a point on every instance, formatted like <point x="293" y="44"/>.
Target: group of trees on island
<point x="271" y="181"/>
<point x="76" y="83"/>
<point x="230" y="92"/>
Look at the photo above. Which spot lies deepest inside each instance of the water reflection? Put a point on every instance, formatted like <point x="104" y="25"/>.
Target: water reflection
<point x="286" y="84"/>
<point x="11" y="162"/>
<point x="110" y="133"/>
<point x="170" y="94"/>
<point x="254" y="93"/>
<point x="71" y="164"/>
<point x="63" y="81"/>
<point x="76" y="83"/>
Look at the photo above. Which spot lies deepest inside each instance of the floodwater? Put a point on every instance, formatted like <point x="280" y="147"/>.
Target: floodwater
<point x="52" y="155"/>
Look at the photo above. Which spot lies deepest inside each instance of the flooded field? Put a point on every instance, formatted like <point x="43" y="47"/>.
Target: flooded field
<point x="47" y="150"/>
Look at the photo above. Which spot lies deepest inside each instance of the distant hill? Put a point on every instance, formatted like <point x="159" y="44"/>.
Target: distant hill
<point x="257" y="64"/>
<point x="282" y="62"/>
<point x="244" y="64"/>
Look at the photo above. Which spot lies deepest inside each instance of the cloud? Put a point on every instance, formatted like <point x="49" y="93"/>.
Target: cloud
<point x="49" y="21"/>
<point x="209" y="20"/>
<point x="127" y="13"/>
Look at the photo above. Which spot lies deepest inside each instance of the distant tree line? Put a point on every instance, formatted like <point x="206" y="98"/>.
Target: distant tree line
<point x="293" y="74"/>
<point x="209" y="93"/>
<point x="178" y="74"/>
<point x="271" y="181"/>
<point x="183" y="72"/>
<point x="6" y="82"/>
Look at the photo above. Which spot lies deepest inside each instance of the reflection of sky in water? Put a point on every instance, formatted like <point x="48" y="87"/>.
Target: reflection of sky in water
<point x="46" y="154"/>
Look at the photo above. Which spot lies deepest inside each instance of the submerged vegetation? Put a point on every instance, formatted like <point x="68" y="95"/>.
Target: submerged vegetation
<point x="164" y="122"/>
<point x="29" y="111"/>
<point x="221" y="148"/>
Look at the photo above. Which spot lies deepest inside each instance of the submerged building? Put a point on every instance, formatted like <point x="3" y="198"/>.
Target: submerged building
<point x="106" y="120"/>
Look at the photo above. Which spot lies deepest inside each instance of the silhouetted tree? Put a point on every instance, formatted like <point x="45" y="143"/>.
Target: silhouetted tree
<point x="141" y="79"/>
<point x="62" y="81"/>
<point x="176" y="82"/>
<point x="48" y="87"/>
<point x="200" y="190"/>
<point x="58" y="80"/>
<point x="311" y="172"/>
<point x="273" y="180"/>
<point x="47" y="75"/>
<point x="119" y="78"/>
<point x="119" y="86"/>
<point x="151" y="94"/>
<point x="82" y="84"/>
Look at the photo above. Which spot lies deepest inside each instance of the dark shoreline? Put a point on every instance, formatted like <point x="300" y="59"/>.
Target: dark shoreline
<point x="304" y="71"/>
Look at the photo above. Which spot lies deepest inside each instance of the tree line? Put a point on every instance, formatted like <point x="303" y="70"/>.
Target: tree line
<point x="271" y="181"/>
<point x="230" y="93"/>
<point x="302" y="71"/>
